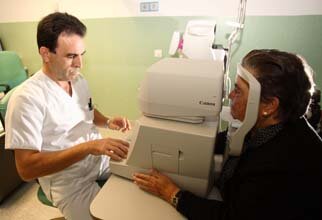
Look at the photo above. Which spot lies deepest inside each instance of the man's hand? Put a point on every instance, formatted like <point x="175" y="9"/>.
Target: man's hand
<point x="119" y="123"/>
<point x="157" y="184"/>
<point x="114" y="148"/>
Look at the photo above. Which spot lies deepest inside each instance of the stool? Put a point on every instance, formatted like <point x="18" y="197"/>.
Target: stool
<point x="43" y="198"/>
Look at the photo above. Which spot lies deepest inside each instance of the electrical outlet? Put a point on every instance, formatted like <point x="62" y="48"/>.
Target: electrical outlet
<point x="158" y="53"/>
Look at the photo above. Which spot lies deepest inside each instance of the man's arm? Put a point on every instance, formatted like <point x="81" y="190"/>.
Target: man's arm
<point x="116" y="123"/>
<point x="33" y="164"/>
<point x="99" y="119"/>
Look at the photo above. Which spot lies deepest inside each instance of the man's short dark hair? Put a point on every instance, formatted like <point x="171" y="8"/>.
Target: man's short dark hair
<point x="51" y="26"/>
<point x="282" y="75"/>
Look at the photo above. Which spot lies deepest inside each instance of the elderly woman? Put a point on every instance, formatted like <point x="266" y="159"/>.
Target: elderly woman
<point x="279" y="174"/>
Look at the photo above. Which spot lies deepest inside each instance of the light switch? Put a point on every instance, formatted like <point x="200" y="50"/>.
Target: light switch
<point x="154" y="6"/>
<point x="149" y="6"/>
<point x="144" y="6"/>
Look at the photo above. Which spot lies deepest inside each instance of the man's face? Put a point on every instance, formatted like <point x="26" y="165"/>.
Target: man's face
<point x="239" y="98"/>
<point x="66" y="61"/>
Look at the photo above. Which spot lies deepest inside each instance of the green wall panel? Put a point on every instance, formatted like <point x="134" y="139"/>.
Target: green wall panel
<point x="120" y="49"/>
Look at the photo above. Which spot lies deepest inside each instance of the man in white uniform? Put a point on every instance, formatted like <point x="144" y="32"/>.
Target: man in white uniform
<point x="51" y="123"/>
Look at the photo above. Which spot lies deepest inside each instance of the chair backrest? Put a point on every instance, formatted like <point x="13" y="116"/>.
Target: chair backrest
<point x="12" y="71"/>
<point x="4" y="102"/>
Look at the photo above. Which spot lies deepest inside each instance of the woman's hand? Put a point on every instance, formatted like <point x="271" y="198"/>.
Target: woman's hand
<point x="119" y="123"/>
<point x="157" y="184"/>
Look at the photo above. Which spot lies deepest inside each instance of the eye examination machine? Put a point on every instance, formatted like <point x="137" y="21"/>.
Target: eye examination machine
<point x="181" y="100"/>
<point x="182" y="104"/>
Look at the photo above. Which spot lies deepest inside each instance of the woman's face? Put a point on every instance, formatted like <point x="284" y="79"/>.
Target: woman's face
<point x="239" y="98"/>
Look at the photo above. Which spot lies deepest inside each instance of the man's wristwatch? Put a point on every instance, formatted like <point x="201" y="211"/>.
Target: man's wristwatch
<point x="107" y="123"/>
<point x="175" y="199"/>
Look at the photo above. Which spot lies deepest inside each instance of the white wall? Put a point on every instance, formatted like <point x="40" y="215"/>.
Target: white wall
<point x="33" y="10"/>
<point x="25" y="10"/>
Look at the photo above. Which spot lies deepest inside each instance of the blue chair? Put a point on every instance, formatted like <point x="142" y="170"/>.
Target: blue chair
<point x="12" y="71"/>
<point x="4" y="102"/>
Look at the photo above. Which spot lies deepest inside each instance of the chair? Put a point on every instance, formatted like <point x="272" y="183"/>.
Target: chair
<point x="9" y="177"/>
<point x="43" y="199"/>
<point x="12" y="71"/>
<point x="4" y="102"/>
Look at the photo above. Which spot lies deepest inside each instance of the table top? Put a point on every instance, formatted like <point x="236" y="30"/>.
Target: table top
<point x="120" y="198"/>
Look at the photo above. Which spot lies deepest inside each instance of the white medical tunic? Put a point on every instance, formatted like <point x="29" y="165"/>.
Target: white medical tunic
<point x="42" y="116"/>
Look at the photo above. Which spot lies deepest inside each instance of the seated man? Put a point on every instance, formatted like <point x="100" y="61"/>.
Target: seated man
<point x="51" y="122"/>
